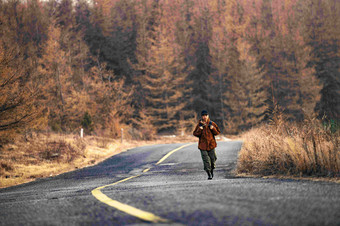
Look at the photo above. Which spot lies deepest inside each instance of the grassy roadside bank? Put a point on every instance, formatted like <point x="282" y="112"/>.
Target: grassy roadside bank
<point x="282" y="149"/>
<point x="41" y="155"/>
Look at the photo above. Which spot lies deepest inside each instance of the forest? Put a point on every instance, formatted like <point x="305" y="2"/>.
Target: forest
<point x="151" y="66"/>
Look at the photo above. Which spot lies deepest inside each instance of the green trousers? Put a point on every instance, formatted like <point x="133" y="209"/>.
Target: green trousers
<point x="209" y="159"/>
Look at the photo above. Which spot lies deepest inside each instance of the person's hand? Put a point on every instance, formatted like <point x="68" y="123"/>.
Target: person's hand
<point x="211" y="126"/>
<point x="201" y="124"/>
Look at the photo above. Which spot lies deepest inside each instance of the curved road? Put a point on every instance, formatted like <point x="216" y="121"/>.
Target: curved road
<point x="175" y="190"/>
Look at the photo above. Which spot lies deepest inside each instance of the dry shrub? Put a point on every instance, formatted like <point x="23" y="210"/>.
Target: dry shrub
<point x="38" y="149"/>
<point x="52" y="148"/>
<point x="59" y="151"/>
<point x="147" y="133"/>
<point x="283" y="148"/>
<point x="103" y="142"/>
<point x="5" y="167"/>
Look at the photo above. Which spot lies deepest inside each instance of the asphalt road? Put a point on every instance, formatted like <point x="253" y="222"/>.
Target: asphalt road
<point x="176" y="190"/>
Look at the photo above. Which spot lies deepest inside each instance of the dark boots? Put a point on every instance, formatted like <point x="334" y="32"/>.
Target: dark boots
<point x="209" y="175"/>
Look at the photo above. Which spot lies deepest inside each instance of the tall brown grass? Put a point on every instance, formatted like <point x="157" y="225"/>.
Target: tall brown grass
<point x="284" y="148"/>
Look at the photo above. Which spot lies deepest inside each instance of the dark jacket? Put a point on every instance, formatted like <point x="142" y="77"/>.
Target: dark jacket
<point x="206" y="135"/>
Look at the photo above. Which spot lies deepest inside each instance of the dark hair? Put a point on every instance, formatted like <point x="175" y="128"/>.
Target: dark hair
<point x="204" y="112"/>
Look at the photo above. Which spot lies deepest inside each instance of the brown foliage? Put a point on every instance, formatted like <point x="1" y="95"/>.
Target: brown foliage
<point x="18" y="106"/>
<point x="237" y="59"/>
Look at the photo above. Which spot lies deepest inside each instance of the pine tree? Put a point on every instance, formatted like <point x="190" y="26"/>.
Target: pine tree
<point x="56" y="72"/>
<point x="186" y="47"/>
<point x="109" y="100"/>
<point x="282" y="55"/>
<point x="163" y="76"/>
<point x="121" y="43"/>
<point x="321" y="34"/>
<point x="255" y="93"/>
<point x="34" y="29"/>
<point x="17" y="102"/>
<point x="201" y="68"/>
<point x="232" y="73"/>
<point x="19" y="86"/>
<point x="262" y="37"/>
<point x="218" y="50"/>
<point x="291" y="65"/>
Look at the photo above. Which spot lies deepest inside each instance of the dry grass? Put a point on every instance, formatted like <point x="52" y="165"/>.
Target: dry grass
<point x="44" y="155"/>
<point x="39" y="155"/>
<point x="282" y="148"/>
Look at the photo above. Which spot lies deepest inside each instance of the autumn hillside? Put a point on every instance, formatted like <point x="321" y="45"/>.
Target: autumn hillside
<point x="149" y="67"/>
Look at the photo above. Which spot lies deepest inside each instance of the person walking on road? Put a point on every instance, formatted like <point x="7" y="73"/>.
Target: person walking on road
<point x="206" y="130"/>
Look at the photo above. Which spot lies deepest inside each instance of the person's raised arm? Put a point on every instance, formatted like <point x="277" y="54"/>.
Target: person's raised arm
<point x="198" y="130"/>
<point x="214" y="128"/>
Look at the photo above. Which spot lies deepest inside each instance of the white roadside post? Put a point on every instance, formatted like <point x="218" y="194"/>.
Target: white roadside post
<point x="81" y="132"/>
<point x="122" y="132"/>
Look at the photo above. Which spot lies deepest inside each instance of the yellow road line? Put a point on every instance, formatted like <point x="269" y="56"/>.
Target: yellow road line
<point x="117" y="182"/>
<point x="141" y="214"/>
<point x="147" y="216"/>
<point x="146" y="170"/>
<point x="170" y="153"/>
